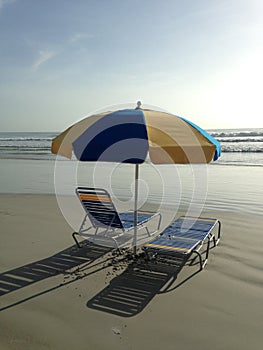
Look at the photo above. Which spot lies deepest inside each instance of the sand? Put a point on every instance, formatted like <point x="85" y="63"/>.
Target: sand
<point x="55" y="296"/>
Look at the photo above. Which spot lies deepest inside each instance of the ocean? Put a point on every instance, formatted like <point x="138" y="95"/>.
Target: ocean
<point x="239" y="146"/>
<point x="26" y="145"/>
<point x="232" y="183"/>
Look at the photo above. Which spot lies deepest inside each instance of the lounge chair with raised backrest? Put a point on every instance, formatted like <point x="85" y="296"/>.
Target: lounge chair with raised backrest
<point x="183" y="237"/>
<point x="105" y="224"/>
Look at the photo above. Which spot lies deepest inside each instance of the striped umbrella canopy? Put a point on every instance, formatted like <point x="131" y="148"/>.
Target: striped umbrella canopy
<point x="134" y="135"/>
<point x="129" y="135"/>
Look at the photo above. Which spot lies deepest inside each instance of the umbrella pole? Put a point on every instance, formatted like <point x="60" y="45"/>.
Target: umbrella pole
<point x="135" y="209"/>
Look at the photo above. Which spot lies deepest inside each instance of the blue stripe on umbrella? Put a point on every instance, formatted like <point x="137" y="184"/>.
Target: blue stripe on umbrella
<point x="208" y="136"/>
<point x="110" y="140"/>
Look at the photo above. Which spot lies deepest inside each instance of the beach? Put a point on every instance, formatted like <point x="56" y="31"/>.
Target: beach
<point x="220" y="306"/>
<point x="54" y="295"/>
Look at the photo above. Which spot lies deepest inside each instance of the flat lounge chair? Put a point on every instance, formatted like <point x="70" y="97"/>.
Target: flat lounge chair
<point x="106" y="222"/>
<point x="183" y="237"/>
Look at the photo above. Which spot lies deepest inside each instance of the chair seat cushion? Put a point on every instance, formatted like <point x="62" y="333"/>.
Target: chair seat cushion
<point x="173" y="244"/>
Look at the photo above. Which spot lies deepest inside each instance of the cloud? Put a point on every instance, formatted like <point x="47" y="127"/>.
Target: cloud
<point x="5" y="2"/>
<point x="43" y="57"/>
<point x="80" y="36"/>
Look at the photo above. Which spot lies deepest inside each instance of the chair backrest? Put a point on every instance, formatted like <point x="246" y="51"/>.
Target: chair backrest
<point x="99" y="207"/>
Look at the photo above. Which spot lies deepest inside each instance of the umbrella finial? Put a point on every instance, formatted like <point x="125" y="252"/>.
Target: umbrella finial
<point x="138" y="105"/>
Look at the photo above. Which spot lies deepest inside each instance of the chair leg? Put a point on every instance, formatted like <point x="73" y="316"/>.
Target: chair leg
<point x="214" y="241"/>
<point x="200" y="259"/>
<point x="75" y="239"/>
<point x="207" y="253"/>
<point x="218" y="232"/>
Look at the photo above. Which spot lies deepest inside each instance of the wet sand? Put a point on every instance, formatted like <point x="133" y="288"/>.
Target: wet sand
<point x="55" y="296"/>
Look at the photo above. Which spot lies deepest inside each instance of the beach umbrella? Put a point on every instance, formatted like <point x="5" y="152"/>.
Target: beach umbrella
<point x="134" y="136"/>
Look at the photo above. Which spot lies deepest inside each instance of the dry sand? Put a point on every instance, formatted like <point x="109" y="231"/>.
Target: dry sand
<point x="55" y="296"/>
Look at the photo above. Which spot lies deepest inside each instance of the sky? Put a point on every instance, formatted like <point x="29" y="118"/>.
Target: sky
<point x="61" y="60"/>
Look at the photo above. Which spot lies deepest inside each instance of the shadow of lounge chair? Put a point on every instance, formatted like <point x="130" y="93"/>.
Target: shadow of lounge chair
<point x="54" y="265"/>
<point x="129" y="293"/>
